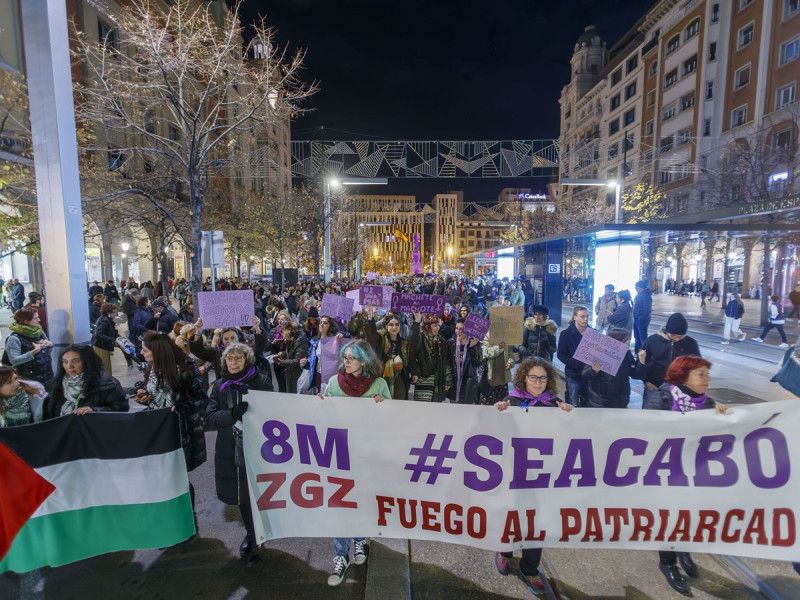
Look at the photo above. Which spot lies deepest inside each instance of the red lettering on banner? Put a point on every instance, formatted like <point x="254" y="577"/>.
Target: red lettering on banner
<point x="594" y="528"/>
<point x="727" y="537"/>
<point x="755" y="528"/>
<point x="618" y="516"/>
<point x="680" y="533"/>
<point x="663" y="515"/>
<point x="642" y="523"/>
<point x="477" y="529"/>
<point x="407" y="521"/>
<point x="709" y="519"/>
<point x="314" y="500"/>
<point x="791" y="535"/>
<point x="431" y="511"/>
<point x="428" y="518"/>
<point x="276" y="480"/>
<point x="512" y="532"/>
<point x="570" y="523"/>
<point x="530" y="537"/>
<point x="384" y="502"/>
<point x="450" y="526"/>
<point x="337" y="498"/>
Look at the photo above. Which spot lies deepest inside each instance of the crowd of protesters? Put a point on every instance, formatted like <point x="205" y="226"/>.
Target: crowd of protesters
<point x="205" y="374"/>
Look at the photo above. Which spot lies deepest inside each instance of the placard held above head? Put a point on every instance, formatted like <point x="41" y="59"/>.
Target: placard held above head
<point x="226" y="309"/>
<point x="506" y="324"/>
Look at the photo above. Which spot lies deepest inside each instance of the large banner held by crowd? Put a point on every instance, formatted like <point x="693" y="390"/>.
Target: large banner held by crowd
<point x="591" y="478"/>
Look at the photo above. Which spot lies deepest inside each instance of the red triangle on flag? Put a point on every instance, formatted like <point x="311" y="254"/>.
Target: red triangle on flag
<point x="22" y="491"/>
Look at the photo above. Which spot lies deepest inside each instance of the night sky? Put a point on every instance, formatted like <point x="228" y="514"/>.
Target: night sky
<point x="429" y="69"/>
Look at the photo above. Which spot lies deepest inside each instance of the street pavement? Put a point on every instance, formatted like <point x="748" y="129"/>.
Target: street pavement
<point x="208" y="567"/>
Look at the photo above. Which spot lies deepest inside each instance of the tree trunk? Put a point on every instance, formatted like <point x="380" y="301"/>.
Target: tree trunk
<point x="765" y="277"/>
<point x="726" y="273"/>
<point x="710" y="245"/>
<point x="747" y="245"/>
<point x="196" y="197"/>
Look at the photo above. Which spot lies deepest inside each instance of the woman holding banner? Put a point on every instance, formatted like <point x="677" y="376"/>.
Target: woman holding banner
<point x="224" y="412"/>
<point x="359" y="377"/>
<point x="534" y="387"/>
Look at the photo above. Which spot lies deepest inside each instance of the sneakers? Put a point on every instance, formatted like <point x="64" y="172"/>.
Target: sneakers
<point x="726" y="342"/>
<point x="501" y="563"/>
<point x="361" y="548"/>
<point x="783" y="345"/>
<point x="340" y="564"/>
<point x="674" y="577"/>
<point x="534" y="582"/>
<point x="743" y="337"/>
<point x="758" y="340"/>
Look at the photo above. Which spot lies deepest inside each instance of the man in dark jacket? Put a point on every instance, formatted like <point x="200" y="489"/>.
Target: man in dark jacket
<point x="567" y="345"/>
<point x="163" y="319"/>
<point x="18" y="294"/>
<point x="659" y="350"/>
<point x="734" y="312"/>
<point x="642" y="310"/>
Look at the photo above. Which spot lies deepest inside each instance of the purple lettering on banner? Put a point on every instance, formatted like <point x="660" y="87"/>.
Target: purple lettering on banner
<point x="721" y="456"/>
<point x="379" y="296"/>
<point x="476" y="326"/>
<point x="233" y="308"/>
<point x="335" y="440"/>
<point x="494" y="470"/>
<point x="579" y="450"/>
<point x="523" y="464"/>
<point x="755" y="466"/>
<point x="598" y="348"/>
<point x="667" y="458"/>
<point x="637" y="448"/>
<point x="337" y="307"/>
<point x="276" y="434"/>
<point x="418" y="303"/>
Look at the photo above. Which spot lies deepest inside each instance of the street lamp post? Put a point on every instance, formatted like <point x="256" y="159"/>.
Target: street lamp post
<point x="609" y="183"/>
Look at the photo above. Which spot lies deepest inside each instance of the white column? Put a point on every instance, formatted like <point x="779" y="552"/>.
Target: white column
<point x="55" y="154"/>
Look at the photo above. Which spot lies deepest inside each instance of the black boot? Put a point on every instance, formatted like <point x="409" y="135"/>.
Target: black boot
<point x="248" y="549"/>
<point x="688" y="565"/>
<point x="674" y="577"/>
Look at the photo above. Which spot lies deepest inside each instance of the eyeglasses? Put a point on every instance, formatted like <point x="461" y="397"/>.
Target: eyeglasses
<point x="539" y="378"/>
<point x="236" y="357"/>
<point x="348" y="358"/>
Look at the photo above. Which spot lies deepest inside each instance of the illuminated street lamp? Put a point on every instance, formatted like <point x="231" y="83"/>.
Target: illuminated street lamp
<point x="124" y="246"/>
<point x="614" y="184"/>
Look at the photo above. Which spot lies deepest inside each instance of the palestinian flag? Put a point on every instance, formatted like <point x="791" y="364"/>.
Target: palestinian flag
<point x="76" y="487"/>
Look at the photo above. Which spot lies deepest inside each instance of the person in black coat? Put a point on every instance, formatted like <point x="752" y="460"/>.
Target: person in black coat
<point x="465" y="353"/>
<point x="104" y="336"/>
<point x="82" y="386"/>
<point x="567" y="345"/>
<point x="163" y="319"/>
<point x="611" y="391"/>
<point x="622" y="317"/>
<point x="111" y="292"/>
<point x="289" y="359"/>
<point x="539" y="334"/>
<point x="225" y="408"/>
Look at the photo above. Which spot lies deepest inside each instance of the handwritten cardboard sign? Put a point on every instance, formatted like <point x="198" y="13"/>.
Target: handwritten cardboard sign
<point x="226" y="309"/>
<point x="379" y="296"/>
<point x="476" y="326"/>
<point x="337" y="307"/>
<point x="598" y="348"/>
<point x="418" y="303"/>
<point x="355" y="295"/>
<point x="506" y="324"/>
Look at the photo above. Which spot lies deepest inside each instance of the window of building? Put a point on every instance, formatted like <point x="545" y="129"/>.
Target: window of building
<point x="785" y="95"/>
<point x="613" y="127"/>
<point x="777" y="182"/>
<point x="653" y="68"/>
<point x="692" y="29"/>
<point x="613" y="150"/>
<point x="681" y="203"/>
<point x="673" y="44"/>
<point x="739" y="116"/>
<point x="568" y="112"/>
<point x="666" y="143"/>
<point x="709" y="90"/>
<point x="684" y="136"/>
<point x="630" y="91"/>
<point x="789" y="51"/>
<point x="690" y="65"/>
<point x="687" y="101"/>
<point x="108" y="35"/>
<point x="712" y="51"/>
<point x="715" y="12"/>
<point x="632" y="63"/>
<point x="707" y="127"/>
<point x="629" y="116"/>
<point x="745" y="3"/>
<point x="782" y="140"/>
<point x="745" y="35"/>
<point x="704" y="162"/>
<point x="629" y="141"/>
<point x="790" y="8"/>
<point x="651" y="98"/>
<point x="671" y="78"/>
<point x="649" y="128"/>
<point x="668" y="112"/>
<point x="615" y="102"/>
<point x="616" y="77"/>
<point x="741" y="77"/>
<point x="664" y="177"/>
<point x="116" y="158"/>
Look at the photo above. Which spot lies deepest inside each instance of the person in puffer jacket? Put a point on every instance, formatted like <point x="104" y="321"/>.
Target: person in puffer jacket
<point x="611" y="391"/>
<point x="539" y="336"/>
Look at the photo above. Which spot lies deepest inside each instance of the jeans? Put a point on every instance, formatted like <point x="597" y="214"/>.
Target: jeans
<point x="731" y="326"/>
<point x="776" y="326"/>
<point x="342" y="545"/>
<point x="640" y="327"/>
<point x="529" y="563"/>
<point x="574" y="388"/>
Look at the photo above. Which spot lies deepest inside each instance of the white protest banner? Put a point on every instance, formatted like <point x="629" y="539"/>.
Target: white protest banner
<point x="591" y="478"/>
<point x="506" y="324"/>
<point x="336" y="307"/>
<point x="595" y="347"/>
<point x="226" y="309"/>
<point x="355" y="294"/>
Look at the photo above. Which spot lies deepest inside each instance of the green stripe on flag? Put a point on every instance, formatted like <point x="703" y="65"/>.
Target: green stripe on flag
<point x="61" y="538"/>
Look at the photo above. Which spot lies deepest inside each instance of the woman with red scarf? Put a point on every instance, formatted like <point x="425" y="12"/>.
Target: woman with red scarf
<point x="359" y="377"/>
<point x="534" y="387"/>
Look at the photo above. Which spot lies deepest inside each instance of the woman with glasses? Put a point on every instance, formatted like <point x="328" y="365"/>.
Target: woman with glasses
<point x="359" y="376"/>
<point x="431" y="371"/>
<point x="534" y="387"/>
<point x="392" y="350"/>
<point x="224" y="412"/>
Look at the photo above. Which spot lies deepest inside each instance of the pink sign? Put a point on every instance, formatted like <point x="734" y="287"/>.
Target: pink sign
<point x="476" y="326"/>
<point x="598" y="348"/>
<point x="329" y="357"/>
<point x="337" y="307"/>
<point x="379" y="296"/>
<point x="234" y="308"/>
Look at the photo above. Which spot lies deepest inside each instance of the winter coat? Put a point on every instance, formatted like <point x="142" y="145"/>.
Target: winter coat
<point x="105" y="333"/>
<point x="567" y="345"/>
<point x="29" y="366"/>
<point x="190" y="404"/>
<point x="140" y="319"/>
<point x="622" y="317"/>
<point x="734" y="309"/>
<point x="776" y="314"/>
<point x="423" y="364"/>
<point x="539" y="340"/>
<point x="214" y="355"/>
<point x="496" y="361"/>
<point x="106" y="396"/>
<point x="603" y="307"/>
<point x="517" y="297"/>
<point x="111" y="293"/>
<point x="94" y="312"/>
<point x="128" y="306"/>
<point x="663" y="399"/>
<point x="231" y="481"/>
<point x="397" y="381"/>
<point x="660" y="352"/>
<point x="18" y="291"/>
<point x="164" y="323"/>
<point x="296" y="349"/>
<point x="643" y="305"/>
<point x="469" y="393"/>
<point x="610" y="391"/>
<point x="448" y="328"/>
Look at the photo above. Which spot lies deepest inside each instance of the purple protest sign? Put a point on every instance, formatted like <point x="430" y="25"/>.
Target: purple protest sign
<point x="379" y="296"/>
<point x="329" y="357"/>
<point x="418" y="303"/>
<point x="337" y="307"/>
<point x="476" y="326"/>
<point x="598" y="348"/>
<point x="226" y="309"/>
<point x="371" y="275"/>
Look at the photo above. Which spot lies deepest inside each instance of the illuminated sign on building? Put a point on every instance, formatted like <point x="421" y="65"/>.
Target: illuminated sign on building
<point x="526" y="196"/>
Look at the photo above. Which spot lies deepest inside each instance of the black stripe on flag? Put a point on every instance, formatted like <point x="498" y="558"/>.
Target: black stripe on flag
<point x="104" y="435"/>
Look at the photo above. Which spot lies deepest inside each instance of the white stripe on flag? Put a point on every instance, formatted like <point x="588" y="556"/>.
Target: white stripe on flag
<point x="97" y="482"/>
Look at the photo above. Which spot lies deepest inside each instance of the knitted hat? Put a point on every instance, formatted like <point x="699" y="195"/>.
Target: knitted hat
<point x="540" y="308"/>
<point x="676" y="324"/>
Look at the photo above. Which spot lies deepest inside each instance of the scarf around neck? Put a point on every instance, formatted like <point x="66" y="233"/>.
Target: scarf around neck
<point x="73" y="393"/>
<point x="354" y="386"/>
<point x="29" y="331"/>
<point x="683" y="401"/>
<point x="527" y="399"/>
<point x="229" y="379"/>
